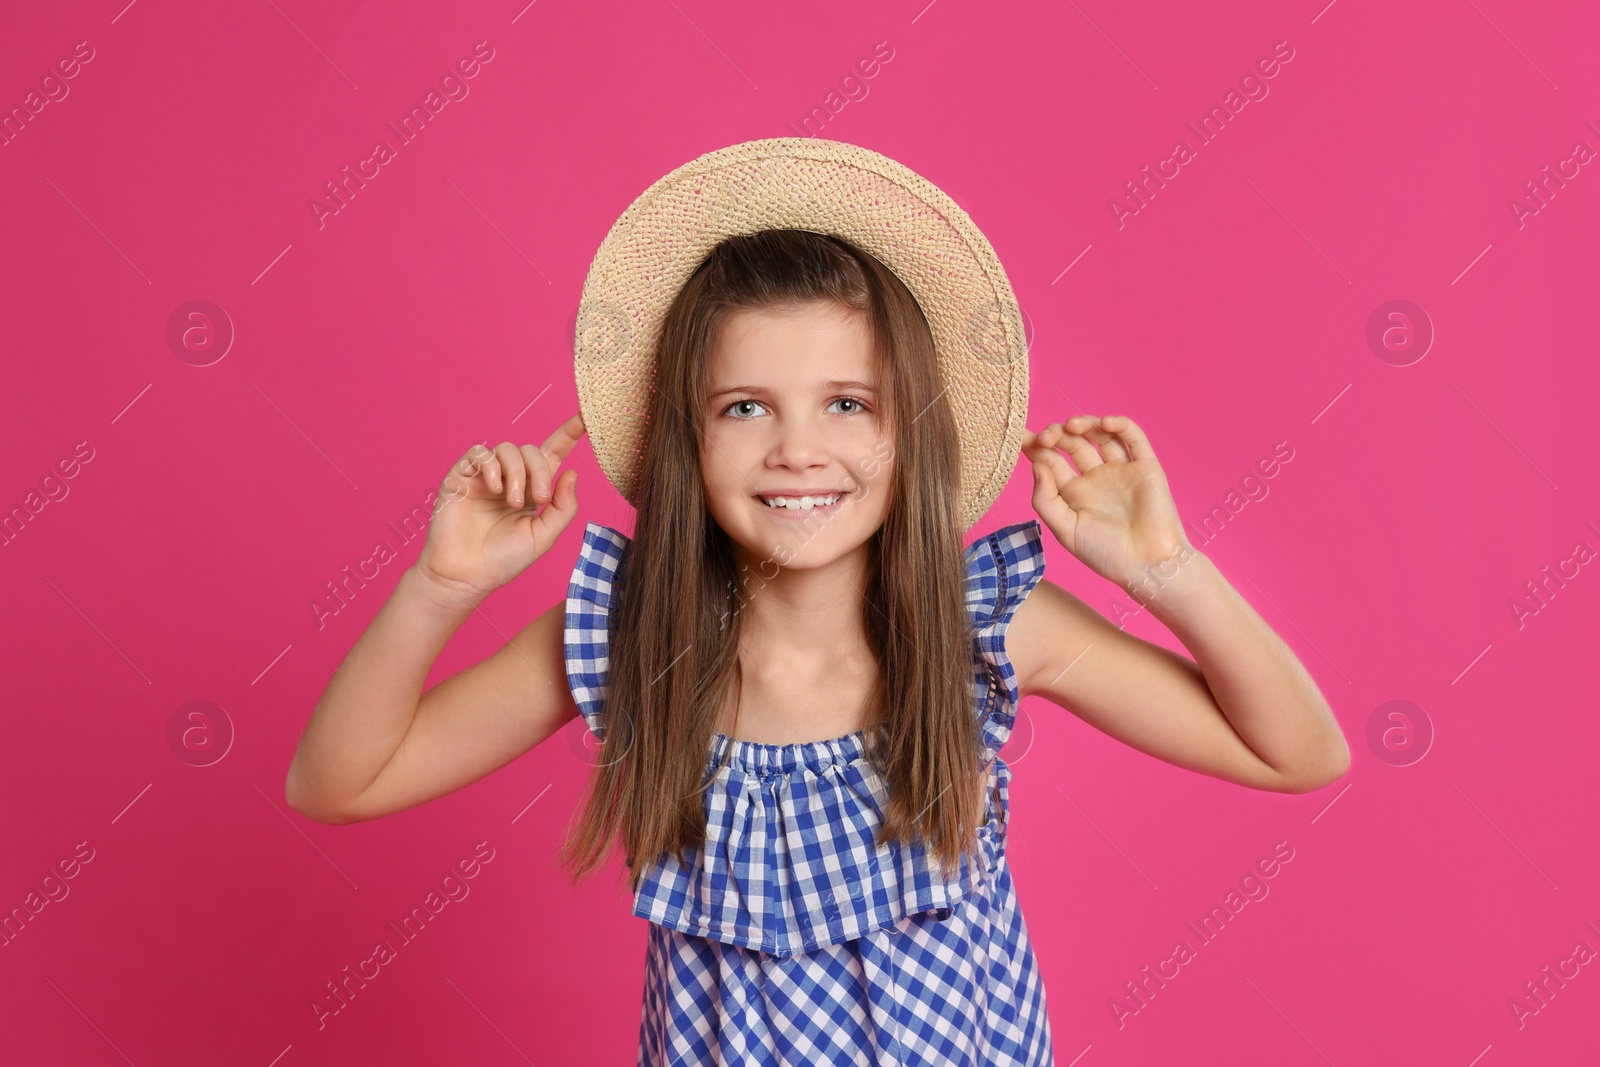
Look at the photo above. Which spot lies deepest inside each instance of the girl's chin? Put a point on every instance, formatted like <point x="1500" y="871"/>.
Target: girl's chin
<point x="764" y="552"/>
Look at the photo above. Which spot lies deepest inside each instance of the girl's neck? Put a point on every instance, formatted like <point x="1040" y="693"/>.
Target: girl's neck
<point x="806" y="665"/>
<point x="811" y="613"/>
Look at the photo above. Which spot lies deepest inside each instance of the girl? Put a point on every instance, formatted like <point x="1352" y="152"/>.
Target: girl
<point x="800" y="679"/>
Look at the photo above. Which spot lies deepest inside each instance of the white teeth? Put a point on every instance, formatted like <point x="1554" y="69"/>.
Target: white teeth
<point x="804" y="503"/>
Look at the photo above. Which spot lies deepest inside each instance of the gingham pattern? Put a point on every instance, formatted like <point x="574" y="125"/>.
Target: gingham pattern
<point x="789" y="939"/>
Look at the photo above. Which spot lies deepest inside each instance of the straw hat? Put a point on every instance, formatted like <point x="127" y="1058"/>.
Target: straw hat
<point x="829" y="187"/>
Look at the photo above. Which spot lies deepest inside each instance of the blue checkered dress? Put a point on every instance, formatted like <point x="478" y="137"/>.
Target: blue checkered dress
<point x="789" y="939"/>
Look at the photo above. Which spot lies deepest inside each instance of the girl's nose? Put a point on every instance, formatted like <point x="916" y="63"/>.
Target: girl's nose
<point x="797" y="443"/>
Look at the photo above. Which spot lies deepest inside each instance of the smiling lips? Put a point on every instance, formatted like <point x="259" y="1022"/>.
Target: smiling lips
<point x="794" y="501"/>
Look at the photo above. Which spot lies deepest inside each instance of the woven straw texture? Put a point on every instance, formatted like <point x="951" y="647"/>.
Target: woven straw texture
<point x="829" y="187"/>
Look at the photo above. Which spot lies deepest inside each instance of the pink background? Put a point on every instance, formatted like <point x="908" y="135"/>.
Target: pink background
<point x="435" y="309"/>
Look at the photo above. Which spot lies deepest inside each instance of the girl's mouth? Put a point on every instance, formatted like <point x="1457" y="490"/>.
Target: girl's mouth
<point x="795" y="507"/>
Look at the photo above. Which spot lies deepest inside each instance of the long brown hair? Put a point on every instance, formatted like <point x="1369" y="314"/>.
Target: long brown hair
<point x="674" y="612"/>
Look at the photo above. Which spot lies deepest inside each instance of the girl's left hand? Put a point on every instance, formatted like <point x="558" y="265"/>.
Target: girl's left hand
<point x="1117" y="516"/>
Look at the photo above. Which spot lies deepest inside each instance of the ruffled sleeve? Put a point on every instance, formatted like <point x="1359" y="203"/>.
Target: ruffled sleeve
<point x="587" y="635"/>
<point x="1002" y="568"/>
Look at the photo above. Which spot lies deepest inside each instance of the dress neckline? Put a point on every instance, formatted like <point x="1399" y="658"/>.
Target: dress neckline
<point x="791" y="744"/>
<point x="760" y="757"/>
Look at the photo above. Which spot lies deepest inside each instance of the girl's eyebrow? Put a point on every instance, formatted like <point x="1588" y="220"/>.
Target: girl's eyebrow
<point x="829" y="385"/>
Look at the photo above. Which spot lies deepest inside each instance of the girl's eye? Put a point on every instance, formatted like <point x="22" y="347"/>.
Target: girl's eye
<point x="857" y="410"/>
<point x="737" y="404"/>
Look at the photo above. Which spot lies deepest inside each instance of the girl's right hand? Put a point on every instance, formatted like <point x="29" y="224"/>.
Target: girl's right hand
<point x="484" y="530"/>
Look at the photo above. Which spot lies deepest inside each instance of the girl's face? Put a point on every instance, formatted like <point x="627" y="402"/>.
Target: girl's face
<point x="793" y="411"/>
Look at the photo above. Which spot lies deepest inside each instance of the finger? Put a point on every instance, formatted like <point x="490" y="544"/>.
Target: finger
<point x="479" y="462"/>
<point x="1092" y="428"/>
<point x="1045" y="440"/>
<point x="1129" y="433"/>
<point x="554" y="516"/>
<point x="1040" y="451"/>
<point x="1056" y="465"/>
<point x="458" y="479"/>
<point x="1044" y="484"/>
<point x="514" y="472"/>
<point x="540" y="474"/>
<point x="1047" y="499"/>
<point x="1039" y="446"/>
<point x="558" y="444"/>
<point x="1110" y="448"/>
<point x="1070" y="433"/>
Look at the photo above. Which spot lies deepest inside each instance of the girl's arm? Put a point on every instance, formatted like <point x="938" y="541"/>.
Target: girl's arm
<point x="1244" y="710"/>
<point x="376" y="742"/>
